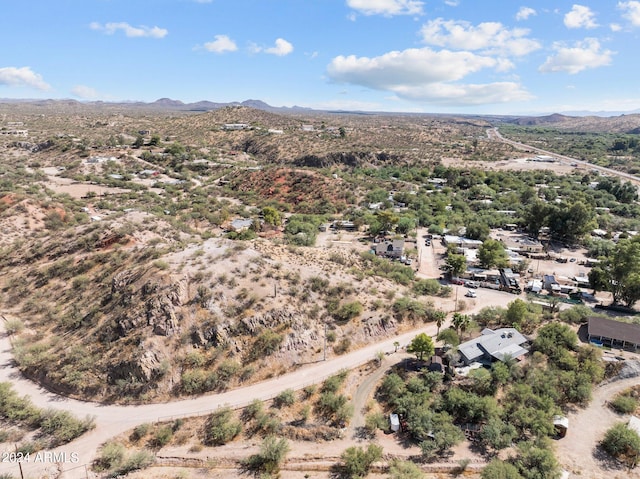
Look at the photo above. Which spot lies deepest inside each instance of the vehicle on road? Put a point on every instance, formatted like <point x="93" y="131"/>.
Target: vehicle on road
<point x="471" y="294"/>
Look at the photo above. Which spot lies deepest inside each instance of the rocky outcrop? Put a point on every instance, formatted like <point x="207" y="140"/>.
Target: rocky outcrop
<point x="159" y="304"/>
<point x="149" y="365"/>
<point x="350" y="158"/>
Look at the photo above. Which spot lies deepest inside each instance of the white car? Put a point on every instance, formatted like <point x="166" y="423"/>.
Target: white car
<point x="471" y="294"/>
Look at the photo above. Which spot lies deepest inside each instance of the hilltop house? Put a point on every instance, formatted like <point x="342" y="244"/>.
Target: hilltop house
<point x="493" y="345"/>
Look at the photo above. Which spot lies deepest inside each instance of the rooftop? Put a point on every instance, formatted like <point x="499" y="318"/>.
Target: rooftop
<point x="611" y="329"/>
<point x="498" y="344"/>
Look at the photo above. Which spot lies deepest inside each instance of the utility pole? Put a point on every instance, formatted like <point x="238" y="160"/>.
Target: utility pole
<point x="325" y="341"/>
<point x="455" y="306"/>
<point x="19" y="462"/>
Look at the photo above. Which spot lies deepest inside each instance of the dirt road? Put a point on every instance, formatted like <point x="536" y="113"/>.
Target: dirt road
<point x="112" y="420"/>
<point x="578" y="452"/>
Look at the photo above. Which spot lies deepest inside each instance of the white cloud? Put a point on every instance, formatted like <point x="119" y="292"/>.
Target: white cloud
<point x="85" y="92"/>
<point x="583" y="55"/>
<point x="488" y="37"/>
<point x="427" y="75"/>
<point x="631" y="11"/>
<point x="387" y="7"/>
<point x="281" y="48"/>
<point x="615" y="27"/>
<point x="452" y="3"/>
<point x="524" y="13"/>
<point x="221" y="44"/>
<point x="129" y="31"/>
<point x="461" y="95"/>
<point x="24" y="76"/>
<point x="580" y="17"/>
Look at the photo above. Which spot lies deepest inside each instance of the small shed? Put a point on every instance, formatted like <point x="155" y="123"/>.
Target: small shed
<point x="394" y="422"/>
<point x="634" y="424"/>
<point x="435" y="364"/>
<point x="561" y="425"/>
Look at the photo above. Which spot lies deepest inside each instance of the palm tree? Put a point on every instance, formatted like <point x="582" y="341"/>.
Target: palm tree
<point x="460" y="322"/>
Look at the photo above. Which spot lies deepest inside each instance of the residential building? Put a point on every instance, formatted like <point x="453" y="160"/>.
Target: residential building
<point x="493" y="346"/>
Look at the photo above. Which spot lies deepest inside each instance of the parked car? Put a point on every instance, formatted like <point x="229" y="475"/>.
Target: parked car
<point x="408" y="261"/>
<point x="471" y="294"/>
<point x="471" y="284"/>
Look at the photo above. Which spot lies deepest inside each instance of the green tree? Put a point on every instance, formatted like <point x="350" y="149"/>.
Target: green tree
<point x="492" y="254"/>
<point x="405" y="224"/>
<point x="400" y="469"/>
<point x="449" y="336"/>
<point x="460" y="322"/>
<point x="271" y="216"/>
<point x="477" y="230"/>
<point x="221" y="427"/>
<point x="496" y="434"/>
<point x="356" y="461"/>
<point x="455" y="264"/>
<point x="421" y="345"/>
<point x="535" y="460"/>
<point x="498" y="469"/>
<point x="272" y="453"/>
<point x="621" y="272"/>
<point x="387" y="219"/>
<point x="622" y="443"/>
<point x="535" y="217"/>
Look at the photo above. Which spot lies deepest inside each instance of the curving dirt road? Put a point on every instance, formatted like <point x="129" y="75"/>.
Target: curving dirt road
<point x="577" y="452"/>
<point x="112" y="420"/>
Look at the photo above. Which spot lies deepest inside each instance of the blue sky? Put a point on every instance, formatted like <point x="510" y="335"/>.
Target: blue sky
<point x="441" y="56"/>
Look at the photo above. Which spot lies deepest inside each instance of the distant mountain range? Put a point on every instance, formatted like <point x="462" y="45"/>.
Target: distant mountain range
<point x="168" y="104"/>
<point x="164" y="104"/>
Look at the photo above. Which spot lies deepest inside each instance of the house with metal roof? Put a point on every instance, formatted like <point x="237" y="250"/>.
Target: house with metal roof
<point x="494" y="346"/>
<point x="613" y="333"/>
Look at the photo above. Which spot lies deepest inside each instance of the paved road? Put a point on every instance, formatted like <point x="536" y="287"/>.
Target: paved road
<point x="112" y="420"/>
<point x="495" y="134"/>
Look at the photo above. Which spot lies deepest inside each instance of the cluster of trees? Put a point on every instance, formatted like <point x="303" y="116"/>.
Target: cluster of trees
<point x="515" y="404"/>
<point x="620" y="272"/>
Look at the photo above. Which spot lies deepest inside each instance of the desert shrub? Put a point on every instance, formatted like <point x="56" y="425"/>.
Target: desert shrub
<point x="221" y="427"/>
<point x="357" y="462"/>
<point x="13" y="326"/>
<point x="267" y="343"/>
<point x="193" y="382"/>
<point x="622" y="443"/>
<point x="624" y="404"/>
<point x="140" y="431"/>
<point x="162" y="265"/>
<point x="111" y="456"/>
<point x="342" y="346"/>
<point x="63" y="427"/>
<point x="253" y="410"/>
<point x="272" y="452"/>
<point x="348" y="311"/>
<point x="374" y="421"/>
<point x="400" y="469"/>
<point x="575" y="315"/>
<point x="161" y="437"/>
<point x="317" y="284"/>
<point x="498" y="469"/>
<point x="16" y="409"/>
<point x="333" y="383"/>
<point x="285" y="399"/>
<point x="133" y="462"/>
<point x="427" y="286"/>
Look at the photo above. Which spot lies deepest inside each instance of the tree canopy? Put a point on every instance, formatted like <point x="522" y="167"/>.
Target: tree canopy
<point x="421" y="345"/>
